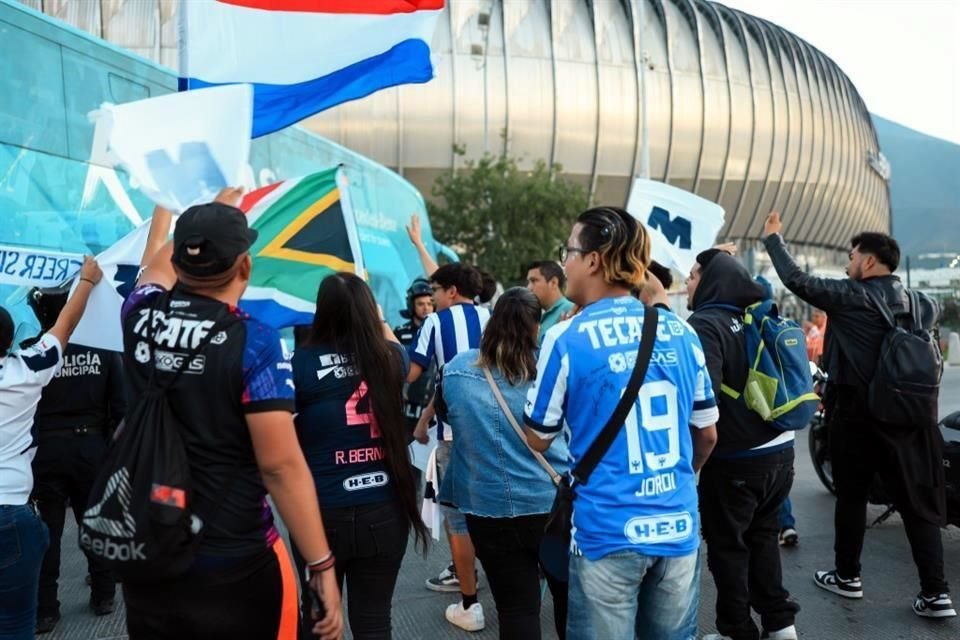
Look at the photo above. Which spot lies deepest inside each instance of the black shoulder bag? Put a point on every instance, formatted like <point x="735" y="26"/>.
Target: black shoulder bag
<point x="555" y="544"/>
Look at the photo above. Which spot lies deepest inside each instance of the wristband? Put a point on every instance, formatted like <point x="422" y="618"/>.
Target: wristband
<point x="329" y="562"/>
<point x="92" y="283"/>
<point x="321" y="560"/>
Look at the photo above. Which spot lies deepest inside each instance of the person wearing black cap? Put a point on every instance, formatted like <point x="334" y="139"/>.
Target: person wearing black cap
<point x="236" y="403"/>
<point x="77" y="412"/>
<point x="23" y="375"/>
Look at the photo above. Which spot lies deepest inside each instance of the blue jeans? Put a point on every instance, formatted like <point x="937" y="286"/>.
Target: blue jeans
<point x="23" y="541"/>
<point x="626" y="595"/>
<point x="785" y="515"/>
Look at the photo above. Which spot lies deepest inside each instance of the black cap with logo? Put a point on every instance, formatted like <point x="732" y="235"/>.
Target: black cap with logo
<point x="208" y="239"/>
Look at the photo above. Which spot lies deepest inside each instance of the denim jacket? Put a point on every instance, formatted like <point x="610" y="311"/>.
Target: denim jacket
<point x="491" y="472"/>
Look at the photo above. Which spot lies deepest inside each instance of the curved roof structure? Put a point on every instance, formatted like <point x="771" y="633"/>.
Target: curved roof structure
<point x="739" y="110"/>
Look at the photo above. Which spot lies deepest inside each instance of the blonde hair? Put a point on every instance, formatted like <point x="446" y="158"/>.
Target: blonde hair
<point x="622" y="242"/>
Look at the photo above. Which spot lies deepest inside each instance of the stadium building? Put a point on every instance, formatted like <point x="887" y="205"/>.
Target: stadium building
<point x="738" y="110"/>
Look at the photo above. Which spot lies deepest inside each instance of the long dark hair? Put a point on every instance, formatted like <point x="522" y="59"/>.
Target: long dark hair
<point x="509" y="342"/>
<point x="347" y="317"/>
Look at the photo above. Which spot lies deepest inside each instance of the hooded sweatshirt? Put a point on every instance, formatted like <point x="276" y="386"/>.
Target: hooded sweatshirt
<point x="740" y="431"/>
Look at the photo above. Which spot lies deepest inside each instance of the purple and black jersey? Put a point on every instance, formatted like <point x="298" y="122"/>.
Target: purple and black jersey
<point x="337" y="428"/>
<point x="241" y="370"/>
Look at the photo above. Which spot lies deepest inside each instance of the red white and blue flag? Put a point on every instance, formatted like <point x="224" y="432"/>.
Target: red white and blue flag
<point x="304" y="56"/>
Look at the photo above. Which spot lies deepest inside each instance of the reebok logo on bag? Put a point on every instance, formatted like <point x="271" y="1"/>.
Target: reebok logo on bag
<point x="139" y="518"/>
<point x="779" y="386"/>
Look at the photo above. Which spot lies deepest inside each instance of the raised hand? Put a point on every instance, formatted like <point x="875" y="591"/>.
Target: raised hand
<point x="772" y="225"/>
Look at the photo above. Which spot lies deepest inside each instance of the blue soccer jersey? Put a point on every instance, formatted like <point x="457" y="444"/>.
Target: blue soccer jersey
<point x="443" y="335"/>
<point x="642" y="496"/>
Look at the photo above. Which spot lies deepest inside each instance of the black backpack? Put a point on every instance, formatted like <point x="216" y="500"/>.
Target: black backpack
<point x="138" y="519"/>
<point x="906" y="385"/>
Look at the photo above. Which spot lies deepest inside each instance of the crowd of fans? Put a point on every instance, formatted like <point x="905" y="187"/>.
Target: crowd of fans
<point x="520" y="400"/>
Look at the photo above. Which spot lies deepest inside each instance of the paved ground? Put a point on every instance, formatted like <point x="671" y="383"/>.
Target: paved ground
<point x="890" y="581"/>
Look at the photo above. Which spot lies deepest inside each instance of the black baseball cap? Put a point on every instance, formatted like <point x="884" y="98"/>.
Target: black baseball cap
<point x="208" y="239"/>
<point x="6" y="331"/>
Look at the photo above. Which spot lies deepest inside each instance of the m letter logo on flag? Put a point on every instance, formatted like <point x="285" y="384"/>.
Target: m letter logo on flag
<point x="681" y="225"/>
<point x="676" y="231"/>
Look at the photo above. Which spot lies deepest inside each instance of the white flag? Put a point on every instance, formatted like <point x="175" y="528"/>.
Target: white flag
<point x="179" y="149"/>
<point x="100" y="325"/>
<point x="681" y="224"/>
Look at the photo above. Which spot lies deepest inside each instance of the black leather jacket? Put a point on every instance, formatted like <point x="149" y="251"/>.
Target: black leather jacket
<point x="855" y="327"/>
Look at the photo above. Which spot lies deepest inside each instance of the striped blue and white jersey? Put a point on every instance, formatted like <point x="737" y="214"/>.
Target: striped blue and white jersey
<point x="445" y="334"/>
<point x="642" y="496"/>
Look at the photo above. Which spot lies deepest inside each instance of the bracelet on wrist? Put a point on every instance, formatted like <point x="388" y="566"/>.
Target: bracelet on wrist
<point x="325" y="558"/>
<point x="329" y="562"/>
<point x="92" y="283"/>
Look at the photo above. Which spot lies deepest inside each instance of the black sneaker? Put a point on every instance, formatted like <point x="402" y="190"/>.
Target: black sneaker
<point x="936" y="606"/>
<point x="789" y="537"/>
<point x="848" y="588"/>
<point x="447" y="581"/>
<point x="102" y="606"/>
<point x="47" y="623"/>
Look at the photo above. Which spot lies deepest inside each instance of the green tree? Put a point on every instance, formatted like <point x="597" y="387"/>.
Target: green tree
<point x="500" y="217"/>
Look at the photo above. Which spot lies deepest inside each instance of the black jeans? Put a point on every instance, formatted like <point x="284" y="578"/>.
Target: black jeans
<point x="739" y="503"/>
<point x="64" y="469"/>
<point x="369" y="542"/>
<point x="253" y="598"/>
<point x="508" y="550"/>
<point x="858" y="452"/>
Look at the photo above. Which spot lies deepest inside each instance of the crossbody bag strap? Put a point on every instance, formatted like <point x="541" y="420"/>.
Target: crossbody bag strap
<point x="581" y="473"/>
<point x="516" y="427"/>
<point x="222" y="321"/>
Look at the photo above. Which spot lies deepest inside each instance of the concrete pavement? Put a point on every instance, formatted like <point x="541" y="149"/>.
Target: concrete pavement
<point x="890" y="581"/>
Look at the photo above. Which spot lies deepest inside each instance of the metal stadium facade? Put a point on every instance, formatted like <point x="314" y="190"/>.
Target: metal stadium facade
<point x="738" y="110"/>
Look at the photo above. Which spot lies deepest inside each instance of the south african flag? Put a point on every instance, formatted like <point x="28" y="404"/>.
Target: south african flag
<point x="307" y="231"/>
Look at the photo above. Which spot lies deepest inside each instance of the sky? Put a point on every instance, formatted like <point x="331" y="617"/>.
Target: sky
<point x="902" y="55"/>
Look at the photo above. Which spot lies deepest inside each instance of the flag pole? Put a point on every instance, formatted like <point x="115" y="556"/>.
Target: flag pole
<point x="644" y="125"/>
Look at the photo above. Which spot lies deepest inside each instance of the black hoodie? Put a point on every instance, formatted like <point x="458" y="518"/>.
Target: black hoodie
<point x="725" y="281"/>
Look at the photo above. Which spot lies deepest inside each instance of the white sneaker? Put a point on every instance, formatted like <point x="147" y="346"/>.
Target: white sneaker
<point x="787" y="633"/>
<point x="467" y="619"/>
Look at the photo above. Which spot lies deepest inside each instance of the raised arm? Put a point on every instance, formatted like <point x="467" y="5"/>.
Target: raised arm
<point x="416" y="237"/>
<point x="828" y="294"/>
<point x="156" y="264"/>
<point x="69" y="318"/>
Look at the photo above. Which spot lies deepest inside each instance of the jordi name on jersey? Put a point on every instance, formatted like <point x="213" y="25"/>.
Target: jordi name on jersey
<point x="658" y="484"/>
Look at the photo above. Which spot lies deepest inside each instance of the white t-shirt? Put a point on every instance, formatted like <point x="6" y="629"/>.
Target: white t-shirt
<point x="23" y="375"/>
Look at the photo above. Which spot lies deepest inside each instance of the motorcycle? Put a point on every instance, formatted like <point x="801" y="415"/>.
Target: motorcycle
<point x="818" y="439"/>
